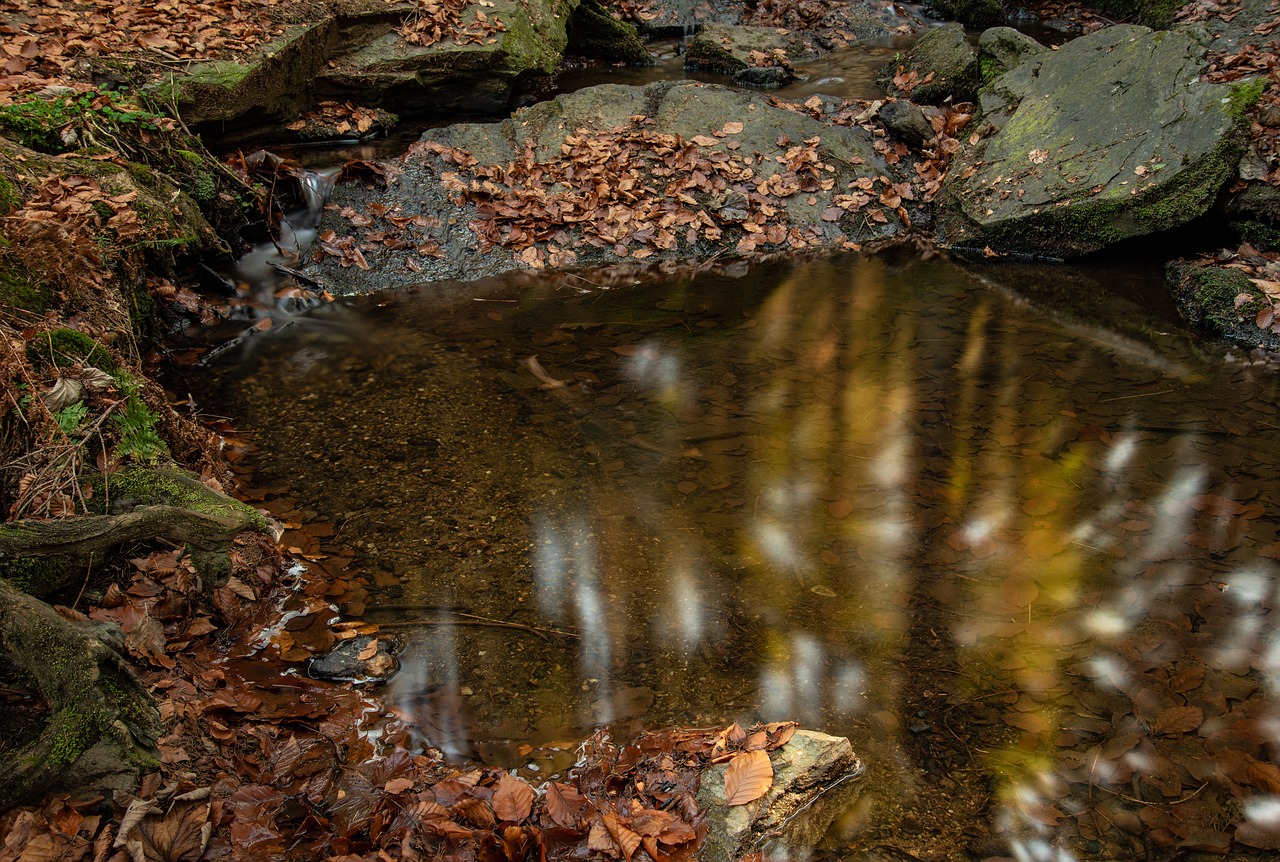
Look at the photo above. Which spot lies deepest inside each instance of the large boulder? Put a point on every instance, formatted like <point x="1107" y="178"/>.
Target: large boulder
<point x="672" y="170"/>
<point x="1111" y="137"/>
<point x="815" y="778"/>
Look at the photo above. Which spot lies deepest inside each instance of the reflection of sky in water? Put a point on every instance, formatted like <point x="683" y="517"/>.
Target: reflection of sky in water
<point x="894" y="506"/>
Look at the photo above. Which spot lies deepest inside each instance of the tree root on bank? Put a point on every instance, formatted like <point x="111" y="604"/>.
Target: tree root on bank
<point x="103" y="726"/>
<point x="42" y="556"/>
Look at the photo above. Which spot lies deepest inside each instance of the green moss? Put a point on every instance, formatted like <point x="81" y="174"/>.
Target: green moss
<point x="136" y="486"/>
<point x="220" y="73"/>
<point x="593" y="32"/>
<point x="1244" y="95"/>
<point x="709" y="57"/>
<point x="18" y="290"/>
<point x="1260" y="235"/>
<point x="59" y="347"/>
<point x="38" y="576"/>
<point x="989" y="68"/>
<point x="1215" y="293"/>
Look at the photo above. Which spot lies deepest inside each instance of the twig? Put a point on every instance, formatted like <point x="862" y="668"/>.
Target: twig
<point x="473" y="620"/>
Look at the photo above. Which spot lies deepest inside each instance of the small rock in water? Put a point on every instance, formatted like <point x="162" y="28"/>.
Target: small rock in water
<point x="343" y="663"/>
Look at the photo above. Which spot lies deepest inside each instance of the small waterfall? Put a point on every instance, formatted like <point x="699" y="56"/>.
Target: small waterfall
<point x="316" y="186"/>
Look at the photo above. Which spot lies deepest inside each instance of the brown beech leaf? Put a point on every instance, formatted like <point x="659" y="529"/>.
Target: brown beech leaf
<point x="624" y="837"/>
<point x="1178" y="719"/>
<point x="398" y="785"/>
<point x="749" y="776"/>
<point x="513" y="799"/>
<point x="1187" y="679"/>
<point x="564" y="802"/>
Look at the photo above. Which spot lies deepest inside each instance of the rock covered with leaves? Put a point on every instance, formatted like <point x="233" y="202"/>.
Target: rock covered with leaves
<point x="1113" y="136"/>
<point x="671" y="170"/>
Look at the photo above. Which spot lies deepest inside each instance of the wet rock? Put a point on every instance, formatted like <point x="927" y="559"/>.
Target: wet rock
<point x="1111" y="137"/>
<point x="815" y="778"/>
<point x="907" y="122"/>
<point x="943" y="53"/>
<point x="765" y="77"/>
<point x="1001" y="49"/>
<point x="343" y="663"/>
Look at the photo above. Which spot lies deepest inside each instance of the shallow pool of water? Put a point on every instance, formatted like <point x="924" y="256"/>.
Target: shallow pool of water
<point x="1009" y="529"/>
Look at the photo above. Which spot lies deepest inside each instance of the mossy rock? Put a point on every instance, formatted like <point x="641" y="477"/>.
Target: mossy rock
<point x="1111" y="137"/>
<point x="593" y="32"/>
<point x="945" y="53"/>
<point x="1222" y="303"/>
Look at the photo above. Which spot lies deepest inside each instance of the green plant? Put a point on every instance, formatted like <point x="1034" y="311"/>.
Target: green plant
<point x="73" y="121"/>
<point x="139" y="439"/>
<point x="70" y="417"/>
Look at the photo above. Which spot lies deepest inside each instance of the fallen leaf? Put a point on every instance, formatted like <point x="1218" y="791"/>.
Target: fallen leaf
<point x="749" y="776"/>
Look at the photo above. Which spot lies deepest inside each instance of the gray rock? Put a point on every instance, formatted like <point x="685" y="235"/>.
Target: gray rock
<point x="762" y="136"/>
<point x="945" y="53"/>
<point x="815" y="778"/>
<point x="727" y="49"/>
<point x="907" y="122"/>
<point x="765" y="77"/>
<point x="343" y="662"/>
<point x="1111" y="137"/>
<point x="1001" y="49"/>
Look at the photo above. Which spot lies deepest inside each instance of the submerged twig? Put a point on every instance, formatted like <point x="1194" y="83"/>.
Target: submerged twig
<point x="473" y="620"/>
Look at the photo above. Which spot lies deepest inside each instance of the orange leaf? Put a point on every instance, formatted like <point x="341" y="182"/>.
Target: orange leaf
<point x="513" y="799"/>
<point x="749" y="776"/>
<point x="625" y="838"/>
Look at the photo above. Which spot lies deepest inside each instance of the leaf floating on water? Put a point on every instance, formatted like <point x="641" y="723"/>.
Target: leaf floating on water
<point x="749" y="776"/>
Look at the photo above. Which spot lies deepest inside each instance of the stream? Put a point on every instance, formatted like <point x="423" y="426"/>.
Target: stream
<point x="1010" y="529"/>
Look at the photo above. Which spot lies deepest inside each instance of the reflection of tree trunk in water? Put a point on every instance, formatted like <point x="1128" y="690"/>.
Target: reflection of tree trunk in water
<point x="102" y="726"/>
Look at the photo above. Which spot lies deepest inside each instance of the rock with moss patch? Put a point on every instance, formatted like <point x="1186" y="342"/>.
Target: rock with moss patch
<point x="593" y="32"/>
<point x="727" y="49"/>
<point x="1113" y="136"/>
<point x="1223" y="303"/>
<point x="941" y="66"/>
<point x="1002" y="49"/>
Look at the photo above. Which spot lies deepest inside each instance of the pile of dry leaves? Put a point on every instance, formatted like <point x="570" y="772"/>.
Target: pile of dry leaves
<point x="48" y="42"/>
